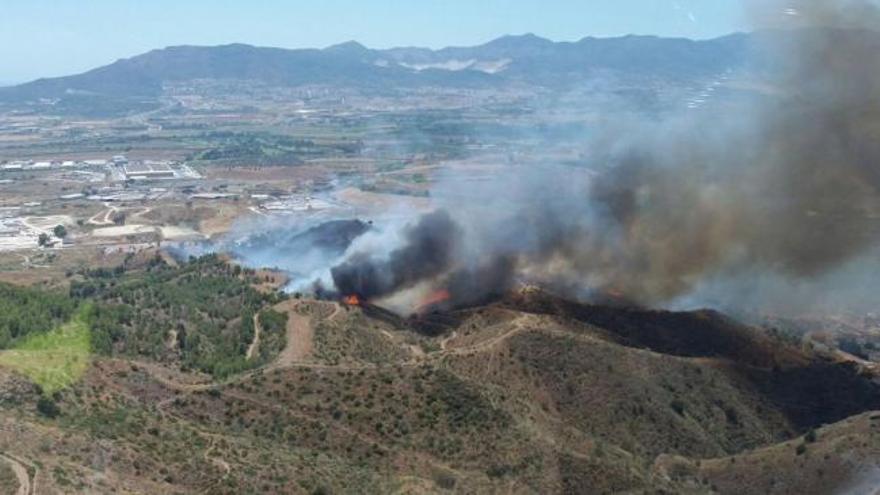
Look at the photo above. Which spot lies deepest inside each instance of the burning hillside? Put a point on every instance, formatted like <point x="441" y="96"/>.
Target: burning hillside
<point x="787" y="188"/>
<point x="352" y="300"/>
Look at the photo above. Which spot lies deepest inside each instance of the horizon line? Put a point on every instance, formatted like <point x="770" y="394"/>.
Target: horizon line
<point x="4" y="84"/>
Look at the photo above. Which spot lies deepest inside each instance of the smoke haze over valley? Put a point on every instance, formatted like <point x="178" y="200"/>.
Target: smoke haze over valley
<point x="768" y="205"/>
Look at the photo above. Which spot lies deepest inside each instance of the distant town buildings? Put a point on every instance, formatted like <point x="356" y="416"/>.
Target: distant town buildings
<point x="148" y="170"/>
<point x="117" y="169"/>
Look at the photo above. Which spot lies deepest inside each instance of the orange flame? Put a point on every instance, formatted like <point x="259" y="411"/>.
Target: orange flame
<point x="435" y="298"/>
<point x="352" y="300"/>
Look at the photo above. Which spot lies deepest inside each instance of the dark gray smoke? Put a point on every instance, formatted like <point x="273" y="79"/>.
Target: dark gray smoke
<point x="427" y="252"/>
<point x="480" y="284"/>
<point x="786" y="185"/>
<point x="790" y="187"/>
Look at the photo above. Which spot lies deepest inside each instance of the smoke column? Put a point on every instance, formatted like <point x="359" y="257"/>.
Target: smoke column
<point x="427" y="252"/>
<point x="786" y="185"/>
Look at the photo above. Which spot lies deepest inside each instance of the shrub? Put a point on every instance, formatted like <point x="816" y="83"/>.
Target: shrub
<point x="810" y="437"/>
<point x="47" y="407"/>
<point x="678" y="406"/>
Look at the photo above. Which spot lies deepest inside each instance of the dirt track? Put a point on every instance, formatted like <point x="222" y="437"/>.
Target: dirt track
<point x="255" y="344"/>
<point x="300" y="336"/>
<point x="21" y="473"/>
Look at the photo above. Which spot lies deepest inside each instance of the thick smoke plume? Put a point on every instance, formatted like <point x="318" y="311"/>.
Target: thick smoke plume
<point x="427" y="252"/>
<point x="785" y="185"/>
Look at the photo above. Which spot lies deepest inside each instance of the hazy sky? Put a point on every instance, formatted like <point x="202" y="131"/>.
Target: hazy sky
<point x="40" y="38"/>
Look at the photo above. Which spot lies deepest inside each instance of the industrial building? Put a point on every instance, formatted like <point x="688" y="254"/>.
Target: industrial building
<point x="148" y="170"/>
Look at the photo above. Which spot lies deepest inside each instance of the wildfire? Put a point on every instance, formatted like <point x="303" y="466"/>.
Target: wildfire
<point x="352" y="300"/>
<point x="615" y="293"/>
<point x="435" y="298"/>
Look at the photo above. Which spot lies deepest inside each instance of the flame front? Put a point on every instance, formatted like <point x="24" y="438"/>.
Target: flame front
<point x="435" y="298"/>
<point x="352" y="300"/>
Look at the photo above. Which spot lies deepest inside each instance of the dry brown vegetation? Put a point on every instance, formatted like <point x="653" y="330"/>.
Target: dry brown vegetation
<point x="511" y="398"/>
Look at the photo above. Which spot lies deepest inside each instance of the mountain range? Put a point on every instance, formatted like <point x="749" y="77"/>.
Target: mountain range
<point x="526" y="60"/>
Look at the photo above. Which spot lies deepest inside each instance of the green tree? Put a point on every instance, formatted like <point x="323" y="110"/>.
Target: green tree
<point x="60" y="231"/>
<point x="43" y="240"/>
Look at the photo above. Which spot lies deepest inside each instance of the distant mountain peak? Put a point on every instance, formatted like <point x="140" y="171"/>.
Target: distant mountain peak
<point x="347" y="47"/>
<point x="520" y="40"/>
<point x="525" y="37"/>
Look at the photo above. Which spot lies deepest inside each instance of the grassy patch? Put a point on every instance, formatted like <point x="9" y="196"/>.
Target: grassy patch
<point x="55" y="359"/>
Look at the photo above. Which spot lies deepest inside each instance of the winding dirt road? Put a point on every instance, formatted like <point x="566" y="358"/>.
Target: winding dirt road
<point x="21" y="473"/>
